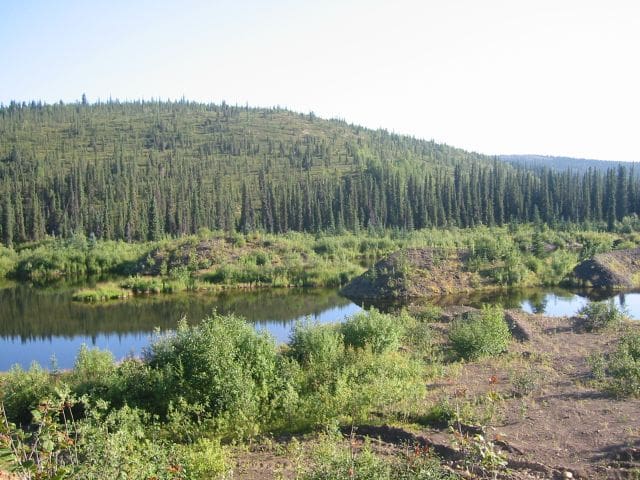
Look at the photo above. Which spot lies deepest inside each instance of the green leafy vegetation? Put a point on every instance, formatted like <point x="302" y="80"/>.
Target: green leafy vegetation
<point x="497" y="256"/>
<point x="620" y="370"/>
<point x="479" y="335"/>
<point x="138" y="171"/>
<point x="203" y="385"/>
<point x="598" y="316"/>
<point x="100" y="293"/>
<point x="333" y="459"/>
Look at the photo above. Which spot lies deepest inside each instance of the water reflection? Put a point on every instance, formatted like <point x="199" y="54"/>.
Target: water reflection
<point x="547" y="301"/>
<point x="36" y="324"/>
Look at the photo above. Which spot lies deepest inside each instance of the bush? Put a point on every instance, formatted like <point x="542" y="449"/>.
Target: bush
<point x="93" y="372"/>
<point x="224" y="365"/>
<point x="623" y="367"/>
<point x="315" y="343"/>
<point x="342" y="382"/>
<point x="98" y="294"/>
<point x="379" y="331"/>
<point x="137" y="384"/>
<point x="204" y="460"/>
<point x="390" y="383"/>
<point x="480" y="335"/>
<point x="23" y="390"/>
<point x="600" y="315"/>
<point x="143" y="285"/>
<point x="123" y="444"/>
<point x="8" y="260"/>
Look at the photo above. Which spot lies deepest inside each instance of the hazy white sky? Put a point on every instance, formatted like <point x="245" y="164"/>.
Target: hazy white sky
<point x="555" y="77"/>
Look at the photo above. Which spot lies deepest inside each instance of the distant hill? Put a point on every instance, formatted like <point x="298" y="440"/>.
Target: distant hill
<point x="142" y="170"/>
<point x="562" y="163"/>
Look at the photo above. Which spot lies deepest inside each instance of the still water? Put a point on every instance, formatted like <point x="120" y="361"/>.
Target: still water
<point x="554" y="302"/>
<point x="37" y="324"/>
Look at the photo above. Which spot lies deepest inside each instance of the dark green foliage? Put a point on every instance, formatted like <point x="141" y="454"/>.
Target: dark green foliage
<point x="142" y="170"/>
<point x="480" y="335"/>
<point x="23" y="390"/>
<point x="222" y="364"/>
<point x="378" y="331"/>
<point x="619" y="371"/>
<point x="600" y="315"/>
<point x="623" y="366"/>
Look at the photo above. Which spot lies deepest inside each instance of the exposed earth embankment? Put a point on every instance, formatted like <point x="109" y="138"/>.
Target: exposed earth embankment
<point x="618" y="269"/>
<point x="414" y="273"/>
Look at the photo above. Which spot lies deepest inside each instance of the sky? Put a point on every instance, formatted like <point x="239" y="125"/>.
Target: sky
<point x="549" y="77"/>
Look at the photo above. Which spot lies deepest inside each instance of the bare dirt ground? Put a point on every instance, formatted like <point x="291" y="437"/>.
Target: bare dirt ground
<point x="565" y="423"/>
<point x="538" y="403"/>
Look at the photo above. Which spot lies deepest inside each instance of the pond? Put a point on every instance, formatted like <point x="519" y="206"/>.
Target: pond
<point x="554" y="302"/>
<point x="37" y="324"/>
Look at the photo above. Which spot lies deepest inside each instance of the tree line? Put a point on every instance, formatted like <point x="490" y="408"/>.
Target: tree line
<point x="142" y="170"/>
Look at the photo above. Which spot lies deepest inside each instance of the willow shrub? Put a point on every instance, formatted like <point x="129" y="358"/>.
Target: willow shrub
<point x="224" y="365"/>
<point x="93" y="372"/>
<point x="379" y="331"/>
<point x="21" y="391"/>
<point x="600" y="316"/>
<point x="348" y="372"/>
<point x="623" y="367"/>
<point x="8" y="259"/>
<point x="480" y="335"/>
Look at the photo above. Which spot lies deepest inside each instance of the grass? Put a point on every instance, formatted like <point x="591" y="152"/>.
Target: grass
<point x="100" y="293"/>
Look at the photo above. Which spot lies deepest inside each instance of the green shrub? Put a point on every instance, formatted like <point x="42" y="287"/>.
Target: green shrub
<point x="8" y="260"/>
<point x="379" y="331"/>
<point x="390" y="383"/>
<point x="23" y="390"/>
<point x="223" y="364"/>
<point x="429" y="313"/>
<point x="600" y="315"/>
<point x="313" y="342"/>
<point x="623" y="367"/>
<point x="143" y="285"/>
<point x="98" y="294"/>
<point x="440" y="415"/>
<point x="525" y="381"/>
<point x="480" y="335"/>
<point x="205" y="459"/>
<point x="123" y="443"/>
<point x="136" y="384"/>
<point x="93" y="372"/>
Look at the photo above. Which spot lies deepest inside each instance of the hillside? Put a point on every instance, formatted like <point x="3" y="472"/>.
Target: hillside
<point x="142" y="170"/>
<point x="561" y="163"/>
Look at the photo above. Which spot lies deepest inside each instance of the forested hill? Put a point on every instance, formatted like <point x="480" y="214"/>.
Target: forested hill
<point x="561" y="163"/>
<point x="141" y="170"/>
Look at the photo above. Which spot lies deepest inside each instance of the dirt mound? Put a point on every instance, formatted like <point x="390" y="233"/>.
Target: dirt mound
<point x="414" y="273"/>
<point x="619" y="269"/>
<point x="519" y="325"/>
<point x="190" y="252"/>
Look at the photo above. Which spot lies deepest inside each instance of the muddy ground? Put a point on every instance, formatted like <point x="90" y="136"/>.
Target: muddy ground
<point x="538" y="403"/>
